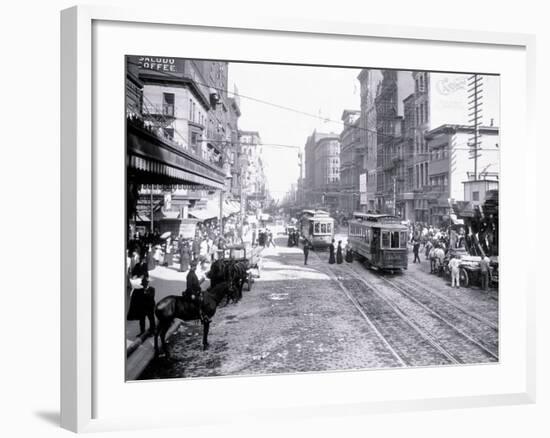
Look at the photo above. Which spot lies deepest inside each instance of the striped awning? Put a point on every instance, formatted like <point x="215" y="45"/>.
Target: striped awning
<point x="161" y="169"/>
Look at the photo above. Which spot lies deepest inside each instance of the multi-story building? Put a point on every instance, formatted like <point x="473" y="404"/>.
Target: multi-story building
<point x="442" y="99"/>
<point x="450" y="167"/>
<point x="390" y="170"/>
<point x="369" y="81"/>
<point x="351" y="161"/>
<point x="322" y="162"/>
<point x="252" y="168"/>
<point x="184" y="103"/>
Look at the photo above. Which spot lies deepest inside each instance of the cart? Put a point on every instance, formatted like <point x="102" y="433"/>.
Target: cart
<point x="247" y="254"/>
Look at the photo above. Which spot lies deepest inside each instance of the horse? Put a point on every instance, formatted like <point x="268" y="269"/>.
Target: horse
<point x="437" y="256"/>
<point x="233" y="272"/>
<point x="238" y="275"/>
<point x="203" y="309"/>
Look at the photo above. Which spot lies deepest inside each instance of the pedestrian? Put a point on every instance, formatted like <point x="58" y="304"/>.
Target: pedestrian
<point x="214" y="251"/>
<point x="203" y="251"/>
<point x="185" y="256"/>
<point x="270" y="241"/>
<point x="196" y="248"/>
<point x="157" y="254"/>
<point x="331" y="249"/>
<point x="454" y="266"/>
<point x="141" y="269"/>
<point x="168" y="257"/>
<point x="339" y="255"/>
<point x="349" y="253"/>
<point x="484" y="270"/>
<point x="150" y="258"/>
<point x="416" y="248"/>
<point x="306" y="252"/>
<point x="193" y="286"/>
<point x="142" y="306"/>
<point x="427" y="248"/>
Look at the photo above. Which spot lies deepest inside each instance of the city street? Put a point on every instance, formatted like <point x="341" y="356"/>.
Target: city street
<point x="324" y="317"/>
<point x="398" y="162"/>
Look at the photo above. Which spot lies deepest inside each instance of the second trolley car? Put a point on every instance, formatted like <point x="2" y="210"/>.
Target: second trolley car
<point x="317" y="228"/>
<point x="380" y="240"/>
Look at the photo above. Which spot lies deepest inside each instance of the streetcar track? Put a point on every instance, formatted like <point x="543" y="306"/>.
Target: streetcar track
<point x="471" y="314"/>
<point x="486" y="351"/>
<point x="360" y="308"/>
<point x="409" y="321"/>
<point x="427" y="338"/>
<point x="440" y="317"/>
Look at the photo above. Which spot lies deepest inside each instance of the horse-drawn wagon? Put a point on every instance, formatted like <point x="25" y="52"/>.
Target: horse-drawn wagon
<point x="247" y="257"/>
<point x="469" y="268"/>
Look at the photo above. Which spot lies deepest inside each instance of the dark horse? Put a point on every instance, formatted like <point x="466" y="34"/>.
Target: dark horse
<point x="202" y="309"/>
<point x="234" y="272"/>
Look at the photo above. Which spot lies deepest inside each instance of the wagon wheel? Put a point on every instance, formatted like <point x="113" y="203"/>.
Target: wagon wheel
<point x="463" y="278"/>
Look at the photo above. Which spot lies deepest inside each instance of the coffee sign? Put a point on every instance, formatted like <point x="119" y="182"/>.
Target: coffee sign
<point x="166" y="65"/>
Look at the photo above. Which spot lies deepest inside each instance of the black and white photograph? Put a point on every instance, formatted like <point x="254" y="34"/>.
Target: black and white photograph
<point x="286" y="218"/>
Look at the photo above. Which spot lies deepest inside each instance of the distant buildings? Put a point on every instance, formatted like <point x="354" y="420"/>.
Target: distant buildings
<point x="253" y="182"/>
<point x="322" y="175"/>
<point x="420" y="141"/>
<point x="351" y="161"/>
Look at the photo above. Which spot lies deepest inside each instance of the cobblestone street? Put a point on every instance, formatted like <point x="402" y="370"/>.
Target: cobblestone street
<point x="323" y="317"/>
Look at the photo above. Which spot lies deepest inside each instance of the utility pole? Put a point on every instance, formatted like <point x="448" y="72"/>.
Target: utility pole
<point x="152" y="209"/>
<point x="475" y="94"/>
<point x="394" y="196"/>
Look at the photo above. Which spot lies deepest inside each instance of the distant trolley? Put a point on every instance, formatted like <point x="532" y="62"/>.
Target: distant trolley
<point x="380" y="240"/>
<point x="317" y="228"/>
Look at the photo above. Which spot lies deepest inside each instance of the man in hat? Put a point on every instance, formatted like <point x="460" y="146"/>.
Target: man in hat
<point x="306" y="252"/>
<point x="142" y="305"/>
<point x="454" y="266"/>
<point x="193" y="287"/>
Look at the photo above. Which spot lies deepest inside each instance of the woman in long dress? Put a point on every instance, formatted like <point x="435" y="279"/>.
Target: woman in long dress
<point x="185" y="257"/>
<point x="331" y="259"/>
<point x="349" y="253"/>
<point x="339" y="255"/>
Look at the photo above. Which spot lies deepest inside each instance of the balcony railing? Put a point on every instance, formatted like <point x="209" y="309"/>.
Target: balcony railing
<point x="436" y="189"/>
<point x="165" y="110"/>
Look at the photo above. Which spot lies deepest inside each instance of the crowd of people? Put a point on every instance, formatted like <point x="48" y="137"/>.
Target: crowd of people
<point x="336" y="253"/>
<point x="147" y="250"/>
<point x="440" y="245"/>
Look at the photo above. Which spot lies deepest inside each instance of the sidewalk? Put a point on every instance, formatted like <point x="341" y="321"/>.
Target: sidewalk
<point x="167" y="280"/>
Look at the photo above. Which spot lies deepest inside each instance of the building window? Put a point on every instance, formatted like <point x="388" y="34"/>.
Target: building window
<point x="169" y="133"/>
<point x="422" y="83"/>
<point x="475" y="196"/>
<point x="168" y="104"/>
<point x="426" y="113"/>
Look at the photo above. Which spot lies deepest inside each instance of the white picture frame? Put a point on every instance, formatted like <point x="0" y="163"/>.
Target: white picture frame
<point x="80" y="365"/>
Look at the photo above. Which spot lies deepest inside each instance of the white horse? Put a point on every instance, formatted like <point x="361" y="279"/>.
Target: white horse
<point x="436" y="256"/>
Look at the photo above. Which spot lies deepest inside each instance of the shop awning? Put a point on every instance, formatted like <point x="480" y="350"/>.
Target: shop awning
<point x="203" y="214"/>
<point x="230" y="207"/>
<point x="210" y="210"/>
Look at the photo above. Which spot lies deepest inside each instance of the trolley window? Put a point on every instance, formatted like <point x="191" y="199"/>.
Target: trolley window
<point x="394" y="239"/>
<point x="317" y="227"/>
<point x="390" y="239"/>
<point x="385" y="239"/>
<point x="403" y="243"/>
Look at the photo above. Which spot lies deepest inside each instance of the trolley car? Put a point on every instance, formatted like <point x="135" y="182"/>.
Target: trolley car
<point x="380" y="240"/>
<point x="317" y="228"/>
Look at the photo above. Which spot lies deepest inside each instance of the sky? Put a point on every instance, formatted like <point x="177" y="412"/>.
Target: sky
<point x="324" y="91"/>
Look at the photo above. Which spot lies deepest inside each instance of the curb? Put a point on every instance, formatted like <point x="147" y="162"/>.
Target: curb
<point x="142" y="351"/>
